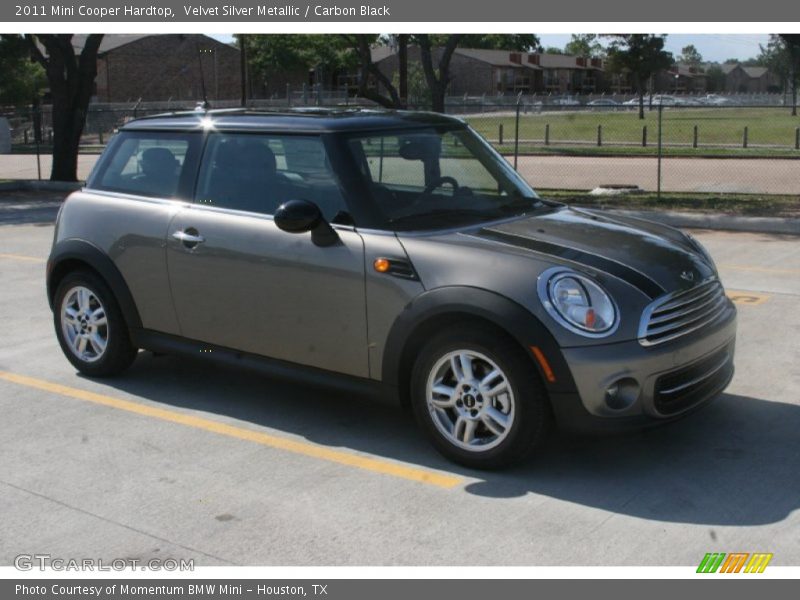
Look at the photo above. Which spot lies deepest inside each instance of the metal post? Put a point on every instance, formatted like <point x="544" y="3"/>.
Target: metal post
<point x="694" y="139"/>
<point x="658" y="183"/>
<point x="547" y="134"/>
<point x="516" y="137"/>
<point x="644" y="136"/>
<point x="744" y="137"/>
<point x="599" y="135"/>
<point x="500" y="134"/>
<point x="797" y="138"/>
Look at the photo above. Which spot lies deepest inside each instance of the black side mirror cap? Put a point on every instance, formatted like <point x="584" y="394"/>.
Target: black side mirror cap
<point x="299" y="216"/>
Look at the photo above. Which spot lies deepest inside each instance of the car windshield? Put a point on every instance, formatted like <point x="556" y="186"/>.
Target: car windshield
<point x="438" y="177"/>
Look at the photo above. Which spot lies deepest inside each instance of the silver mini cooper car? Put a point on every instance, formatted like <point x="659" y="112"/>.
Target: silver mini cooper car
<point x="388" y="251"/>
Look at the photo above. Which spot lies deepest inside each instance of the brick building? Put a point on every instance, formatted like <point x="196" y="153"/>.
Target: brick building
<point x="164" y="67"/>
<point x="741" y="79"/>
<point x="477" y="71"/>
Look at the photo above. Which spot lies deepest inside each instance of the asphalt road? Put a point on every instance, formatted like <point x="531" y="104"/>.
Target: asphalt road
<point x="715" y="175"/>
<point x="179" y="459"/>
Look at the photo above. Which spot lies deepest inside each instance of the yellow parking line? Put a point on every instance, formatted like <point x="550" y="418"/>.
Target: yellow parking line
<point x="265" y="439"/>
<point x="759" y="269"/>
<point x="23" y="257"/>
<point x="748" y="298"/>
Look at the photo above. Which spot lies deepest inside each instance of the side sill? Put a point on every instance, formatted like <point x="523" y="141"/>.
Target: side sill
<point x="170" y="344"/>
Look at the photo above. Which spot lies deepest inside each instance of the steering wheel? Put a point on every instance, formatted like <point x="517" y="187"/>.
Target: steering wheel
<point x="439" y="182"/>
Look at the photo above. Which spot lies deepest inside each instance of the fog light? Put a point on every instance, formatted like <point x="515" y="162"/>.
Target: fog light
<point x="622" y="393"/>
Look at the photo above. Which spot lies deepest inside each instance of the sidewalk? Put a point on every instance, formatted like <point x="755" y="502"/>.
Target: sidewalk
<point x="23" y="166"/>
<point x="743" y="176"/>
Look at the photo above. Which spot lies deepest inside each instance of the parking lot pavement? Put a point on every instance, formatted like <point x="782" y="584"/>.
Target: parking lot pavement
<point x="182" y="459"/>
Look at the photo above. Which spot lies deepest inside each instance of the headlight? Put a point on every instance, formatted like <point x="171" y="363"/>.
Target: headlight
<point x="578" y="303"/>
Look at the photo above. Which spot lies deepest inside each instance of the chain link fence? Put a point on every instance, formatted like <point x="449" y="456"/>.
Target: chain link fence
<point x="596" y="144"/>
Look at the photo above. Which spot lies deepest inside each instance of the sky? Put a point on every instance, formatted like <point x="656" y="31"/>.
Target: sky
<point x="715" y="47"/>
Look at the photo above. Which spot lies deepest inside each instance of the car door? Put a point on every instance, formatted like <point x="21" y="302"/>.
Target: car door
<point x="240" y="282"/>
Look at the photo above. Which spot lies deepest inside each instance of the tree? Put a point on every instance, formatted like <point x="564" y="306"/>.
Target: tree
<point x="516" y="42"/>
<point x="782" y="57"/>
<point x="690" y="56"/>
<point x="22" y="80"/>
<point x="641" y="55"/>
<point x="327" y="55"/>
<point x="71" y="80"/>
<point x="552" y="50"/>
<point x="437" y="73"/>
<point x="792" y="42"/>
<point x="436" y="53"/>
<point x="368" y="71"/>
<point x="715" y="79"/>
<point x="585" y="44"/>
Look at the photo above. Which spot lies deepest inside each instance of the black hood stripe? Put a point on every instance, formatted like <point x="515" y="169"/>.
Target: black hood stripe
<point x="627" y="274"/>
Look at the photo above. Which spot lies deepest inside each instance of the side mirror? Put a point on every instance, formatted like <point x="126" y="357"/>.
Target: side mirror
<point x="299" y="216"/>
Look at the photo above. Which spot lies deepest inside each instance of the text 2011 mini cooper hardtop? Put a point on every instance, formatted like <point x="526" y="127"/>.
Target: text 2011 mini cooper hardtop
<point x="391" y="248"/>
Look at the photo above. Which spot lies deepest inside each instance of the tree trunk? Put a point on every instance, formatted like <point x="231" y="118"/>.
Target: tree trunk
<point x="640" y="94"/>
<point x="368" y="70"/>
<point x="67" y="129"/>
<point x="71" y="82"/>
<point x="437" y="82"/>
<point x="402" y="58"/>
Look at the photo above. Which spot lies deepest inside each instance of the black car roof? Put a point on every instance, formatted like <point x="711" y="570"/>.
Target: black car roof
<point x="293" y="120"/>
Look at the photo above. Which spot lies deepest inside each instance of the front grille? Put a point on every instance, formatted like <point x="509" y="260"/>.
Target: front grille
<point x="675" y="315"/>
<point x="681" y="389"/>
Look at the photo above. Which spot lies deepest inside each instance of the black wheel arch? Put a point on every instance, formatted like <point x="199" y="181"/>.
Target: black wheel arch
<point x="441" y="307"/>
<point x="70" y="255"/>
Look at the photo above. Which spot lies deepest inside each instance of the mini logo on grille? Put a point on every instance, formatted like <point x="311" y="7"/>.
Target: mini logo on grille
<point x="687" y="276"/>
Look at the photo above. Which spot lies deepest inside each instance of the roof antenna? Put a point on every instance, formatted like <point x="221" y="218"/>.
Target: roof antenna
<point x="204" y="105"/>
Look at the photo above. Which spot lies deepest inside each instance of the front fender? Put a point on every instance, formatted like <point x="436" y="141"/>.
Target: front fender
<point x="463" y="301"/>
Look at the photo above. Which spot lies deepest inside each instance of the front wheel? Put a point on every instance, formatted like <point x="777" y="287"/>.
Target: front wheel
<point x="479" y="398"/>
<point x="89" y="325"/>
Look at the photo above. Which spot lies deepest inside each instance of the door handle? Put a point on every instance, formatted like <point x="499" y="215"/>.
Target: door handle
<point x="189" y="237"/>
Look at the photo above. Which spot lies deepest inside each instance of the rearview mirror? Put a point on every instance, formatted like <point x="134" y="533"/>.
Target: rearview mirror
<point x="299" y="216"/>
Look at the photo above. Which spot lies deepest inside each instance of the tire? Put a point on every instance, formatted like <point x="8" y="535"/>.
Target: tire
<point x="85" y="314"/>
<point x="445" y="405"/>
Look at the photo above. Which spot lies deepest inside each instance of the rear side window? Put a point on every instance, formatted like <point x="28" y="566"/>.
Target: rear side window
<point x="157" y="164"/>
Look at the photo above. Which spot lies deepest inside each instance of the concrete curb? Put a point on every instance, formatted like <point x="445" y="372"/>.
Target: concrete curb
<point x="40" y="186"/>
<point x="693" y="220"/>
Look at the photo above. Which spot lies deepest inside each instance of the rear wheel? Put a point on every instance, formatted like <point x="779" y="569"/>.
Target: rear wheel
<point x="479" y="398"/>
<point x="89" y="325"/>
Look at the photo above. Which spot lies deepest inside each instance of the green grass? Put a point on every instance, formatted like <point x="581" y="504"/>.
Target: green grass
<point x="753" y="205"/>
<point x="717" y="127"/>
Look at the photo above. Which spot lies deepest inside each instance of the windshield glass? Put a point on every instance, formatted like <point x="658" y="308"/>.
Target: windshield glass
<point x="438" y="177"/>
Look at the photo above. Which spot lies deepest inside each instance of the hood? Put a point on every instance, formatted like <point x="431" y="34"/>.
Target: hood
<point x="651" y="257"/>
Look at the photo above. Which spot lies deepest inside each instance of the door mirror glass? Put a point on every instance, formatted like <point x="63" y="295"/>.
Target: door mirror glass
<point x="298" y="216"/>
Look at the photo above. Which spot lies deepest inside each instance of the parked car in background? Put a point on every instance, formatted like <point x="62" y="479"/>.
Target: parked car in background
<point x="394" y="252"/>
<point x="604" y="104"/>
<point x="716" y="100"/>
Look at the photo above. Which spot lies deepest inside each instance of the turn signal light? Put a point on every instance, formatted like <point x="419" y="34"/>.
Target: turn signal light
<point x="381" y="265"/>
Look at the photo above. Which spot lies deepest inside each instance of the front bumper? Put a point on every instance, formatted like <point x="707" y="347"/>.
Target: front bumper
<point x="660" y="383"/>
